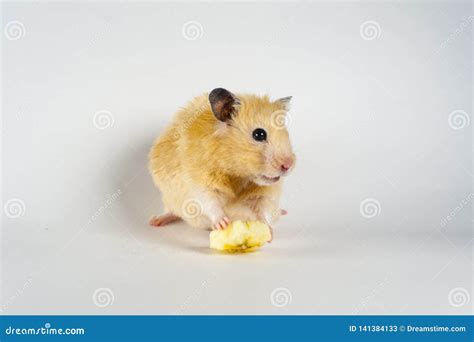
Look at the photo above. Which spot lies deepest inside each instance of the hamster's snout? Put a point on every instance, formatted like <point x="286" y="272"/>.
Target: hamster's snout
<point x="284" y="164"/>
<point x="278" y="167"/>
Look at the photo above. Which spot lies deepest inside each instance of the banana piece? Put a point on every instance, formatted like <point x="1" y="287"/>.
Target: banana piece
<point x="240" y="236"/>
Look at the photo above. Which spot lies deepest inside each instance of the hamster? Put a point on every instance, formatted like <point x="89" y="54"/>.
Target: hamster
<point x="223" y="159"/>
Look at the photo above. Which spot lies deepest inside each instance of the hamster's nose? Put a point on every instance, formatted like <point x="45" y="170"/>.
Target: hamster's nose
<point x="286" y="165"/>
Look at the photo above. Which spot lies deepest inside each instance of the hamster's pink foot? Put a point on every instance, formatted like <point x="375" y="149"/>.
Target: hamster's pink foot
<point x="162" y="220"/>
<point x="283" y="212"/>
<point x="222" y="224"/>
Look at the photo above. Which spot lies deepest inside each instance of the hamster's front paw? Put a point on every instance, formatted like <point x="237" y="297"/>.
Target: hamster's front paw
<point x="221" y="223"/>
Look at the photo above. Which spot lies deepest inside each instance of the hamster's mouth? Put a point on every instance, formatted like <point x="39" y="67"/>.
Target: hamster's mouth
<point x="270" y="179"/>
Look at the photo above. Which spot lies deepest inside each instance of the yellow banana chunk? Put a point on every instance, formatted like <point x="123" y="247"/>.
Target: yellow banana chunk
<point x="240" y="236"/>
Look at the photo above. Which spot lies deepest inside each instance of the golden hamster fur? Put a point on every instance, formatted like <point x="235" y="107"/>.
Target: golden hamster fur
<point x="222" y="159"/>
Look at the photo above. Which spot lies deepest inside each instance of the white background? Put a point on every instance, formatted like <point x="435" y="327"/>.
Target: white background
<point x="370" y="119"/>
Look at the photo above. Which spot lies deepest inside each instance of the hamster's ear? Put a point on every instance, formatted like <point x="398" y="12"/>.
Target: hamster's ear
<point x="285" y="102"/>
<point x="224" y="104"/>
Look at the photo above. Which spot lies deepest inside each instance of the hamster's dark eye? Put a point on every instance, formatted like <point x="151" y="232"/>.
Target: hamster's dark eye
<point x="259" y="134"/>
